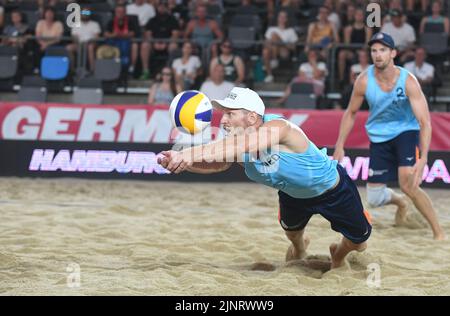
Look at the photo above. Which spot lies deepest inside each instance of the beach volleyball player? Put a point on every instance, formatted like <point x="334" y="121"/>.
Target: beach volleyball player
<point x="398" y="122"/>
<point x="277" y="153"/>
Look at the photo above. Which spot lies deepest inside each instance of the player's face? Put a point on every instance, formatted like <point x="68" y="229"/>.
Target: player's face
<point x="234" y="122"/>
<point x="382" y="55"/>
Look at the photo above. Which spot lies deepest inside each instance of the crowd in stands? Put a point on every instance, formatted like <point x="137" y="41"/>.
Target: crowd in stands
<point x="190" y="44"/>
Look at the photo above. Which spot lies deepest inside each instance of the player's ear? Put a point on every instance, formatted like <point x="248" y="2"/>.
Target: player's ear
<point x="252" y="118"/>
<point x="394" y="53"/>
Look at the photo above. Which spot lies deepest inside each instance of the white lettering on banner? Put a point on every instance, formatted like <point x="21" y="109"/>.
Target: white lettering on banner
<point x="55" y="123"/>
<point x="99" y="121"/>
<point x="95" y="161"/>
<point x="11" y="123"/>
<point x="137" y="128"/>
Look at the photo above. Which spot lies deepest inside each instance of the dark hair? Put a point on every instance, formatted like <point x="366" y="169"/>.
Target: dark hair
<point x="46" y="9"/>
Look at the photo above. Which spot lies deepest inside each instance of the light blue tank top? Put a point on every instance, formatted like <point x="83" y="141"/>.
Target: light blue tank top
<point x="390" y="112"/>
<point x="300" y="175"/>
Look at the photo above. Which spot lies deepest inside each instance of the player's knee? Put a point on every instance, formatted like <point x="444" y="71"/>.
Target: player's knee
<point x="378" y="195"/>
<point x="409" y="189"/>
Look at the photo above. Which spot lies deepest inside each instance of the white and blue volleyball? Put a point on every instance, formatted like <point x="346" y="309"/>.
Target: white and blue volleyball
<point x="191" y="111"/>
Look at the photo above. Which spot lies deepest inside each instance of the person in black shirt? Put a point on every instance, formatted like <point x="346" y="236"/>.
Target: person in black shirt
<point x="162" y="26"/>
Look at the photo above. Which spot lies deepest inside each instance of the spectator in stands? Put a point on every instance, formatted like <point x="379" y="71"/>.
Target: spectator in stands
<point x="180" y="13"/>
<point x="333" y="17"/>
<point x="187" y="68"/>
<point x="402" y="33"/>
<point x="89" y="30"/>
<point x="233" y="64"/>
<point x="423" y="71"/>
<point x="15" y="31"/>
<point x="280" y="42"/>
<point x="348" y="17"/>
<point x="289" y="6"/>
<point x="203" y="31"/>
<point x="162" y="26"/>
<point x="216" y="87"/>
<point x="411" y="5"/>
<point x="120" y="32"/>
<point x="355" y="70"/>
<point x="49" y="32"/>
<point x="321" y="34"/>
<point x="357" y="33"/>
<point x="435" y="20"/>
<point x="394" y="5"/>
<point x="145" y="11"/>
<point x="164" y="89"/>
<point x="2" y="18"/>
<point x="247" y="7"/>
<point x="313" y="71"/>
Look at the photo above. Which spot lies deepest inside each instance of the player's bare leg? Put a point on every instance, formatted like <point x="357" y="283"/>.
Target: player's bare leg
<point x="297" y="250"/>
<point x="340" y="251"/>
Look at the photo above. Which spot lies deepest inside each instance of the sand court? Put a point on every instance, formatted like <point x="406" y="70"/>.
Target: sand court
<point x="172" y="238"/>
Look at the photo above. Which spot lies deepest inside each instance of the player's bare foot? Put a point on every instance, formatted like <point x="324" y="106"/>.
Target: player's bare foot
<point x="297" y="253"/>
<point x="335" y="263"/>
<point x="402" y="211"/>
<point x="440" y="236"/>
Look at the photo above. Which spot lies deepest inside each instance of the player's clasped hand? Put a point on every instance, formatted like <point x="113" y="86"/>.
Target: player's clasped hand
<point x="173" y="161"/>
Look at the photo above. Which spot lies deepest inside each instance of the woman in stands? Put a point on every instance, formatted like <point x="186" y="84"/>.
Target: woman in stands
<point x="165" y="89"/>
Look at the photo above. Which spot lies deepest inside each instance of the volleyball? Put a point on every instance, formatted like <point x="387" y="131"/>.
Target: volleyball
<point x="191" y="111"/>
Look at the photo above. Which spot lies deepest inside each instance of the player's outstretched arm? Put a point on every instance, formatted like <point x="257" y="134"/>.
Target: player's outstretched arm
<point x="231" y="148"/>
<point x="197" y="167"/>
<point x="348" y="119"/>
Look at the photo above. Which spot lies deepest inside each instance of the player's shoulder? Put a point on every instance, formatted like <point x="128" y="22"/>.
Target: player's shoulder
<point x="361" y="81"/>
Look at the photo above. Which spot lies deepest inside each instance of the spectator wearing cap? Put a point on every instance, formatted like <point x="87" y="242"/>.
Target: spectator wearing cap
<point x="280" y="42"/>
<point x="436" y="18"/>
<point x="423" y="71"/>
<point x="402" y="33"/>
<point x="86" y="34"/>
<point x="233" y="64"/>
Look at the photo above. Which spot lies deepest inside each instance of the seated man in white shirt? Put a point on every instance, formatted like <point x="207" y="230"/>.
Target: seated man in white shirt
<point x="423" y="71"/>
<point x="403" y="34"/>
<point x="281" y="41"/>
<point x="88" y="30"/>
<point x="143" y="10"/>
<point x="216" y="87"/>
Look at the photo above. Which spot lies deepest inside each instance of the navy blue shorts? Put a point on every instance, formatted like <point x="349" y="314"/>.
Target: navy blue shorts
<point x="386" y="157"/>
<point x="341" y="206"/>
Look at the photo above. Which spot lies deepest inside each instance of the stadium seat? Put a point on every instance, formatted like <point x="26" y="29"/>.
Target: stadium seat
<point x="434" y="43"/>
<point x="8" y="62"/>
<point x="55" y="64"/>
<point x="301" y="101"/>
<point x="107" y="69"/>
<point x="302" y="88"/>
<point x="88" y="91"/>
<point x="33" y="89"/>
<point x="242" y="37"/>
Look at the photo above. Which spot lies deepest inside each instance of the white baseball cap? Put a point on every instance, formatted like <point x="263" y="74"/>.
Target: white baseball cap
<point x="242" y="98"/>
